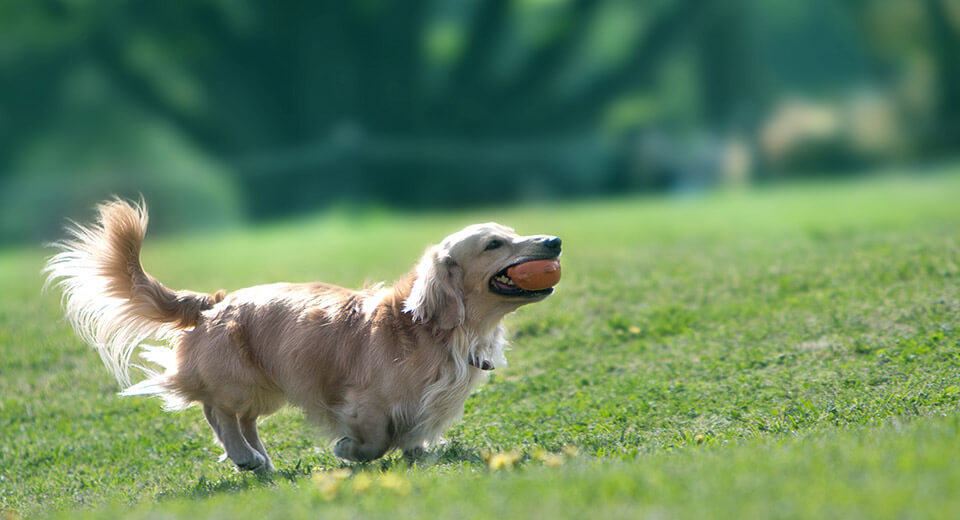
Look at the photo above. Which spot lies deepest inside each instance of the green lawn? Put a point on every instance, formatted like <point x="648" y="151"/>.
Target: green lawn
<point x="784" y="352"/>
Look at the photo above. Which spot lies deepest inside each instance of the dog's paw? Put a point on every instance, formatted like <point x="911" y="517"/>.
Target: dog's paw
<point x="344" y="449"/>
<point x="348" y="449"/>
<point x="413" y="455"/>
<point x="268" y="467"/>
<point x="255" y="462"/>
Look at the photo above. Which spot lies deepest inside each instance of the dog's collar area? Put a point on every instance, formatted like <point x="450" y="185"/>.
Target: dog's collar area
<point x="482" y="364"/>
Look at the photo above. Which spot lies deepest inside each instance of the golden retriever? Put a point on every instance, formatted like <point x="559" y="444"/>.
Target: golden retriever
<point x="380" y="368"/>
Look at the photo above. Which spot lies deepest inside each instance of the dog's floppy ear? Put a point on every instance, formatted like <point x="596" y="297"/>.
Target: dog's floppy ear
<point x="437" y="293"/>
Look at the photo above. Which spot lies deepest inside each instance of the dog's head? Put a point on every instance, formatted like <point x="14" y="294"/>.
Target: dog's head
<point x="464" y="278"/>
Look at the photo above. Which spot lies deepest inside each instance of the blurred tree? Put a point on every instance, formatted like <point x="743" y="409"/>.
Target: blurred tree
<point x="423" y="102"/>
<point x="922" y="39"/>
<point x="945" y="48"/>
<point x="391" y="95"/>
<point x="31" y="67"/>
<point x="729" y="69"/>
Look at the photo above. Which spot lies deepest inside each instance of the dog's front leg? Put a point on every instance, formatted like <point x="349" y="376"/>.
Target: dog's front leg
<point x="358" y="451"/>
<point x="414" y="454"/>
<point x="368" y="439"/>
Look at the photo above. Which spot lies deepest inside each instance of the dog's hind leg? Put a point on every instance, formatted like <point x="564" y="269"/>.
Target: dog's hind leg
<point x="227" y="428"/>
<point x="212" y="421"/>
<point x="248" y="427"/>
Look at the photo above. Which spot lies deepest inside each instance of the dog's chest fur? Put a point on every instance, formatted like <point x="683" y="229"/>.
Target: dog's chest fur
<point x="442" y="401"/>
<point x="439" y="363"/>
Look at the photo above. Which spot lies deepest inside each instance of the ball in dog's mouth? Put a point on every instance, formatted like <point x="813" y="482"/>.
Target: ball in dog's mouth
<point x="533" y="277"/>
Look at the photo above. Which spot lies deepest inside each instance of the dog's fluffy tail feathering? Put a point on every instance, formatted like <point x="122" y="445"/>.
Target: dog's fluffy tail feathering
<point x="111" y="301"/>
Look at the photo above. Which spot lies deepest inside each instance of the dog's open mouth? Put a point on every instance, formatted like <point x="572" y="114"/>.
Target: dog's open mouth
<point x="502" y="284"/>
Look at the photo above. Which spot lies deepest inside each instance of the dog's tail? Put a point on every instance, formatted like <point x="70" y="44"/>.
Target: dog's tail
<point x="111" y="301"/>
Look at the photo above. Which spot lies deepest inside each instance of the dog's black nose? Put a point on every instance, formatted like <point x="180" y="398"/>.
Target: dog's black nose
<point x="552" y="243"/>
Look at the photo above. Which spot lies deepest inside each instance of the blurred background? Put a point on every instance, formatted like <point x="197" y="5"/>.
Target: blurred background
<point x="223" y="112"/>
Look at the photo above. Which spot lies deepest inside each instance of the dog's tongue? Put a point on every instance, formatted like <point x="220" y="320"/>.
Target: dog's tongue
<point x="535" y="275"/>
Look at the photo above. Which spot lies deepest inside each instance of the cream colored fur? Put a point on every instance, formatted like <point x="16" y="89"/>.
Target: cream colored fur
<point x="380" y="368"/>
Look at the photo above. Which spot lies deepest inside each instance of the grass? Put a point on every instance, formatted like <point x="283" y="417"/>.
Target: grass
<point x="782" y="352"/>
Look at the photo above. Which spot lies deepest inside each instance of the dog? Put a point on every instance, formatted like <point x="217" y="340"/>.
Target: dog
<point x="382" y="368"/>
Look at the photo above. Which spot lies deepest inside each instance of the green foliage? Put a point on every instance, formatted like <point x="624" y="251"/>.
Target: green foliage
<point x="67" y="174"/>
<point x="774" y="353"/>
<point x="443" y="104"/>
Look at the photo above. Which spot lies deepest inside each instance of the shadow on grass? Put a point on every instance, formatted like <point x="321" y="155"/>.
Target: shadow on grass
<point x="237" y="482"/>
<point x="449" y="454"/>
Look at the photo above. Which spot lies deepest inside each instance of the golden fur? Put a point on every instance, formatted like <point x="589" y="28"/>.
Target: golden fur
<point x="381" y="368"/>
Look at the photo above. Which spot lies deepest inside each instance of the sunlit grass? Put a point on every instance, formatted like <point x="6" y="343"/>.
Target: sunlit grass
<point x="773" y="353"/>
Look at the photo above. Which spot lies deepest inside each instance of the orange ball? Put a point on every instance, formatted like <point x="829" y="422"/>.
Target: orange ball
<point x="535" y="275"/>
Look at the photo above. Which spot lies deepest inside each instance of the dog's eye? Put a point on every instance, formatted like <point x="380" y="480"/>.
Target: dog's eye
<point x="493" y="244"/>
